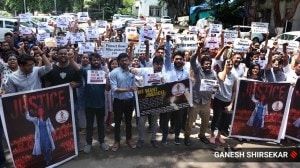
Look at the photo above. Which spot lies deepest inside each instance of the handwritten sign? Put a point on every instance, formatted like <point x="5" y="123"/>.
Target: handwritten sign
<point x="96" y="77"/>
<point x="83" y="16"/>
<point x="230" y="36"/>
<point x="113" y="49"/>
<point x="186" y="42"/>
<point x="241" y="45"/>
<point x="41" y="37"/>
<point x="259" y="27"/>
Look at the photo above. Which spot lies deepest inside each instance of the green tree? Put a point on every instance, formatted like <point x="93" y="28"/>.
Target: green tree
<point x="126" y="8"/>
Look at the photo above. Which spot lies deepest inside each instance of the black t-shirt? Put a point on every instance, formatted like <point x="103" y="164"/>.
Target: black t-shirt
<point x="58" y="76"/>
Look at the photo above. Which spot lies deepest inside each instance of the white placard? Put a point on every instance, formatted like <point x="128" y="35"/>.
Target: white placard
<point x="152" y="79"/>
<point x="151" y="22"/>
<point x="241" y="45"/>
<point x="83" y="16"/>
<point x="186" y="42"/>
<point x="113" y="49"/>
<point x="62" y="22"/>
<point x="147" y="32"/>
<point x="87" y="47"/>
<point x="25" y="17"/>
<point x="41" y="37"/>
<point x="215" y="29"/>
<point x="61" y="40"/>
<point x="96" y="77"/>
<point x="230" y="36"/>
<point x="141" y="48"/>
<point x="208" y="85"/>
<point x="117" y="24"/>
<point x="212" y="42"/>
<point x="92" y="33"/>
<point x="77" y="37"/>
<point x="293" y="46"/>
<point x="259" y="27"/>
<point x="25" y="31"/>
<point x="166" y="27"/>
<point x="193" y="30"/>
<point x="42" y="26"/>
<point x="101" y="24"/>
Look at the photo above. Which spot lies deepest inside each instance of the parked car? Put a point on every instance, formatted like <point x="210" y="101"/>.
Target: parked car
<point x="6" y="25"/>
<point x="245" y="31"/>
<point x="165" y="19"/>
<point x="288" y="36"/>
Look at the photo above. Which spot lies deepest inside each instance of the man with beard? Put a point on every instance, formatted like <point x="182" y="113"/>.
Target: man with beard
<point x="122" y="87"/>
<point x="5" y="49"/>
<point x="175" y="72"/>
<point x="238" y="68"/>
<point x="201" y="99"/>
<point x="64" y="71"/>
<point x="94" y="103"/>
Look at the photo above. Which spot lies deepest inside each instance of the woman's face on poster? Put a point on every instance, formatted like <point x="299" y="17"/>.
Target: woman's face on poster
<point x="40" y="113"/>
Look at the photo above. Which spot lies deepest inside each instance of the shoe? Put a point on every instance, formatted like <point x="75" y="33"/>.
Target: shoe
<point x="204" y="140"/>
<point x="131" y="144"/>
<point x="104" y="146"/>
<point x="154" y="144"/>
<point x="115" y="146"/>
<point x="164" y="141"/>
<point x="87" y="148"/>
<point x="225" y="133"/>
<point x="187" y="141"/>
<point x="140" y="144"/>
<point x="177" y="141"/>
<point x="221" y="140"/>
<point x="212" y="140"/>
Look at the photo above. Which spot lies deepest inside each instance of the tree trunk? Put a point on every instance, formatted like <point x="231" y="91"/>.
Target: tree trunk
<point x="277" y="15"/>
<point x="290" y="14"/>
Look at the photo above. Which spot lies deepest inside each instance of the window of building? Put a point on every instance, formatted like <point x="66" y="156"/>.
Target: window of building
<point x="154" y="11"/>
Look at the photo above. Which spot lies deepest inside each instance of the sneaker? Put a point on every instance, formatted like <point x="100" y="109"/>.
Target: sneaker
<point x="140" y="144"/>
<point x="221" y="140"/>
<point x="187" y="141"/>
<point x="131" y="144"/>
<point x="154" y="144"/>
<point x="204" y="140"/>
<point x="87" y="148"/>
<point x="212" y="140"/>
<point x="115" y="146"/>
<point x="104" y="146"/>
<point x="177" y="141"/>
<point x="164" y="141"/>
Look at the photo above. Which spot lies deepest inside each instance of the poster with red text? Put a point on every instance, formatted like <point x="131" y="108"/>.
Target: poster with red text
<point x="260" y="110"/>
<point x="39" y="126"/>
<point x="293" y="122"/>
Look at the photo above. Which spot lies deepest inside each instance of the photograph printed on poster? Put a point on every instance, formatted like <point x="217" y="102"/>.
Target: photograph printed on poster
<point x="259" y="110"/>
<point x="39" y="126"/>
<point x="293" y="122"/>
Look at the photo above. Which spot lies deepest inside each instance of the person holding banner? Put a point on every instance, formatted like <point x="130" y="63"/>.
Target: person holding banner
<point x="223" y="102"/>
<point x="261" y="110"/>
<point x="95" y="86"/>
<point x="43" y="141"/>
<point x="122" y="86"/>
<point x="201" y="99"/>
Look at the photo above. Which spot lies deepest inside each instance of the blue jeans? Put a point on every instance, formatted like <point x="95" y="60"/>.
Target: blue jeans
<point x="90" y="116"/>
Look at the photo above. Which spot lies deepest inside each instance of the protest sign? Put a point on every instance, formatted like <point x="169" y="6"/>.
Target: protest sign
<point x="61" y="40"/>
<point x="193" y="30"/>
<point x="215" y="29"/>
<point x="241" y="45"/>
<point x="25" y="31"/>
<point x="42" y="26"/>
<point x="131" y="35"/>
<point x="151" y="22"/>
<point x="208" y="85"/>
<point x="148" y="79"/>
<point x="163" y="98"/>
<point x="166" y="27"/>
<point x="259" y="111"/>
<point x="86" y="47"/>
<point x="148" y="33"/>
<point x="43" y="134"/>
<point x="101" y="24"/>
<point x="92" y="33"/>
<point x="82" y="16"/>
<point x="77" y="37"/>
<point x="96" y="77"/>
<point x="212" y="42"/>
<point x="141" y="48"/>
<point x="186" y="42"/>
<point x="62" y="22"/>
<point x="113" y="49"/>
<point x="230" y="36"/>
<point x="259" y="27"/>
<point x="293" y="122"/>
<point x="41" y="37"/>
<point x="25" y="17"/>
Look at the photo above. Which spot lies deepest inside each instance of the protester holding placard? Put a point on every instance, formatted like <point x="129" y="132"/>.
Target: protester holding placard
<point x="201" y="99"/>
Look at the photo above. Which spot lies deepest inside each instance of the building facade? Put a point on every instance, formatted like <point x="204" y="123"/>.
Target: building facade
<point x="150" y="8"/>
